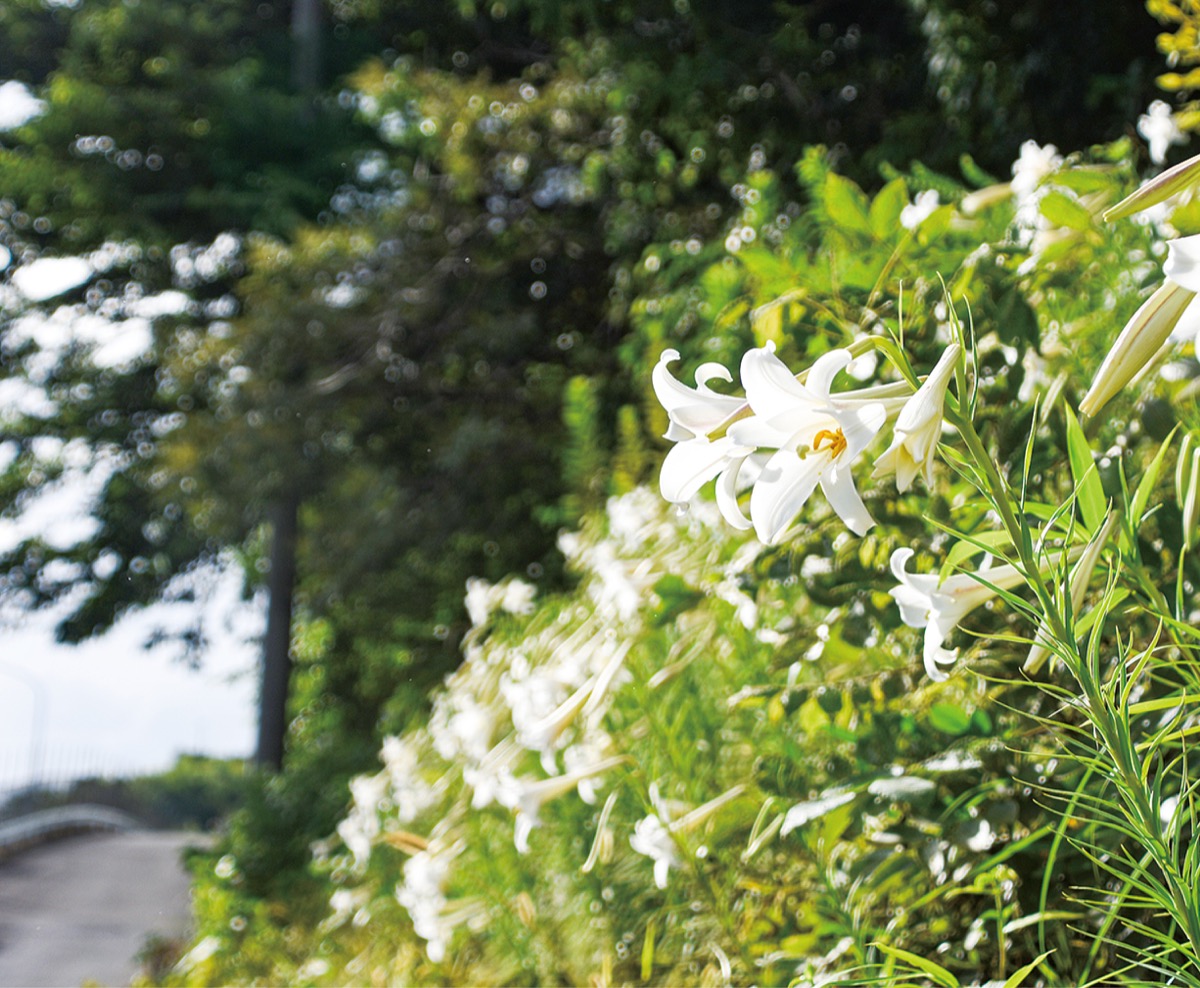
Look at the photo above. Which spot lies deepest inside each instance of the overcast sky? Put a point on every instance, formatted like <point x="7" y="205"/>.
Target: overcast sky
<point x="110" y="706"/>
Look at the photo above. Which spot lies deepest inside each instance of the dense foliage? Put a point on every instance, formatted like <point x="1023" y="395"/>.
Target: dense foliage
<point x="837" y="813"/>
<point x="421" y="302"/>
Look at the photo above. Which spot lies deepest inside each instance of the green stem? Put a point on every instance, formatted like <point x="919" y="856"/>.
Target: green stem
<point x="1002" y="500"/>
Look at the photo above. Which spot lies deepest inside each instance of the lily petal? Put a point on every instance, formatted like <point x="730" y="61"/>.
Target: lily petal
<point x="843" y="497"/>
<point x="727" y="501"/>
<point x="691" y="464"/>
<point x="784" y="486"/>
<point x="693" y="411"/>
<point x="1182" y="265"/>
<point x="771" y="389"/>
<point x="935" y="656"/>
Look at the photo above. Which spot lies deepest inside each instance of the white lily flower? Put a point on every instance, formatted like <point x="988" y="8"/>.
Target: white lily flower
<point x="938" y="606"/>
<point x="693" y="412"/>
<point x="816" y="436"/>
<point x="655" y="838"/>
<point x="1150" y="327"/>
<point x="919" y="427"/>
<point x="527" y="796"/>
<point x="1159" y="129"/>
<point x="692" y="463"/>
<point x="652" y="838"/>
<point x="923" y="206"/>
<point x="695" y="460"/>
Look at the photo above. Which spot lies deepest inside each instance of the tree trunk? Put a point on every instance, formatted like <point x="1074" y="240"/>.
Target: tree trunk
<point x="306" y="46"/>
<point x="277" y="661"/>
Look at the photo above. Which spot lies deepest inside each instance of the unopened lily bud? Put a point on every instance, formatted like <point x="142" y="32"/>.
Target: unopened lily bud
<point x="1183" y="467"/>
<point x="1159" y="189"/>
<point x="1081" y="576"/>
<point x="1139" y="341"/>
<point x="1190" y="503"/>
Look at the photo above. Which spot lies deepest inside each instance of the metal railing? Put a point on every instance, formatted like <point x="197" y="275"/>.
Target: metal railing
<point x="44" y="825"/>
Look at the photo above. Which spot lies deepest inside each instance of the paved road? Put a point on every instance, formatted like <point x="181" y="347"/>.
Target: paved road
<point x="81" y="908"/>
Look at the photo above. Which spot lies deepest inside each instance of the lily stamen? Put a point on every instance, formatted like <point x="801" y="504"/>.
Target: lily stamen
<point x="836" y="439"/>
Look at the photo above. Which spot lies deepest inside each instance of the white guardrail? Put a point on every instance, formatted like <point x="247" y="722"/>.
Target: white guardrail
<point x="36" y="828"/>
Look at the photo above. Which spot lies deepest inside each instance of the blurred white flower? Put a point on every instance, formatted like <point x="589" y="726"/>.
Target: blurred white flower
<point x="478" y="601"/>
<point x="617" y="594"/>
<point x="589" y="750"/>
<point x="517" y="596"/>
<point x="919" y="427"/>
<point x="654" y="840"/>
<point x="461" y="725"/>
<point x="409" y="792"/>
<point x="543" y="734"/>
<point x="17" y="105"/>
<point x="654" y="834"/>
<point x="923" y="206"/>
<point x="513" y="596"/>
<point x="1033" y="165"/>
<point x="422" y="893"/>
<point x="360" y="827"/>
<point x="1158" y="128"/>
<point x="526" y="797"/>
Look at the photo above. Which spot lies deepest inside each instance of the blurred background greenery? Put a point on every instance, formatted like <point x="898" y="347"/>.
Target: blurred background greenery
<point x="420" y="258"/>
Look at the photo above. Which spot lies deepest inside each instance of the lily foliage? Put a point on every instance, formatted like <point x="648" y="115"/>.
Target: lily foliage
<point x="933" y="725"/>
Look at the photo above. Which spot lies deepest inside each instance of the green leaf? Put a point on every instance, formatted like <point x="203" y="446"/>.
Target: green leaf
<point x="648" y="950"/>
<point x="1145" y="487"/>
<point x="675" y="597"/>
<point x="981" y="721"/>
<point x="963" y="550"/>
<point x="1015" y="321"/>
<point x="1084" y="180"/>
<point x="1162" y="703"/>
<point x="935" y="971"/>
<point x="1088" y="489"/>
<point x="1062" y="210"/>
<point x="1019" y="976"/>
<point x="949" y="718"/>
<point x="886" y="208"/>
<point x="846" y="204"/>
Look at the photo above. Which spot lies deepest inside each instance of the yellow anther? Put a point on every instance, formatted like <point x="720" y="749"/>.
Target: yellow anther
<point x="835" y="438"/>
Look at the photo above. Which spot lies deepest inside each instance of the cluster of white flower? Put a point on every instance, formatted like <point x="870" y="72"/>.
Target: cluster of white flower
<point x="483" y="599"/>
<point x="544" y="693"/>
<point x="791" y="434"/>
<point x="422" y="893"/>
